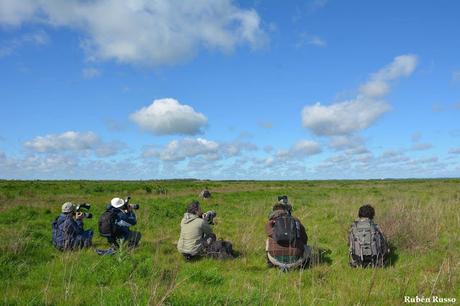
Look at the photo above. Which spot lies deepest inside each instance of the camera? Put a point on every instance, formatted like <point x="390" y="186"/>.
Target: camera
<point x="83" y="209"/>
<point x="133" y="206"/>
<point x="209" y="216"/>
<point x="283" y="199"/>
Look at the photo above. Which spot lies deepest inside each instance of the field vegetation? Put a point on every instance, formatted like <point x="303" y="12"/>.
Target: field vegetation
<point x="421" y="218"/>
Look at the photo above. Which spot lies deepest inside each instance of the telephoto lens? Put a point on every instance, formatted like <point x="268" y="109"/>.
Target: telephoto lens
<point x="134" y="206"/>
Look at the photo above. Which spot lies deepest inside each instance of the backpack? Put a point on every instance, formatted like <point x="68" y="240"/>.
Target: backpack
<point x="286" y="230"/>
<point x="220" y="249"/>
<point x="107" y="223"/>
<point x="57" y="236"/>
<point x="367" y="244"/>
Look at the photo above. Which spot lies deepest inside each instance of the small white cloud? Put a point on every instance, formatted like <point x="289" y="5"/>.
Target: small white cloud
<point x="454" y="150"/>
<point x="67" y="141"/>
<point x="421" y="146"/>
<point x="72" y="141"/>
<point x="178" y="150"/>
<point x="168" y="116"/>
<point x="316" y="41"/>
<point x="308" y="39"/>
<point x="300" y="150"/>
<point x="91" y="72"/>
<point x="346" y="117"/>
<point x="36" y="38"/>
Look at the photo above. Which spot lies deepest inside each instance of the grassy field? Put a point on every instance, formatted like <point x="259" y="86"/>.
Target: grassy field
<point x="420" y="217"/>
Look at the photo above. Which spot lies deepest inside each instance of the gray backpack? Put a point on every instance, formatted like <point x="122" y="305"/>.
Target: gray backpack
<point x="367" y="244"/>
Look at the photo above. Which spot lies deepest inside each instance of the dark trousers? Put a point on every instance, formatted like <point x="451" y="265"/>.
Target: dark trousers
<point x="131" y="238"/>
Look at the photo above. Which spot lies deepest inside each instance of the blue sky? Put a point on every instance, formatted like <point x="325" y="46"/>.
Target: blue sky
<point x="229" y="89"/>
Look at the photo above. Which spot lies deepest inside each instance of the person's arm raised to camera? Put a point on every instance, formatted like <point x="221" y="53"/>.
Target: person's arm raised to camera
<point x="206" y="227"/>
<point x="127" y="218"/>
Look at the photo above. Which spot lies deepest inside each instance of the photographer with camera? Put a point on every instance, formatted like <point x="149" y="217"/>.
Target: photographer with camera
<point x="68" y="232"/>
<point x="115" y="222"/>
<point x="197" y="238"/>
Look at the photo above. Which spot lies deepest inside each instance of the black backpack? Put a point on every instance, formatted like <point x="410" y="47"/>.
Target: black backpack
<point x="286" y="230"/>
<point x="107" y="223"/>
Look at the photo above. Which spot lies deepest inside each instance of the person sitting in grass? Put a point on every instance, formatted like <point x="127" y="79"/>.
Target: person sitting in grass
<point x="367" y="244"/>
<point x="205" y="193"/>
<point x="115" y="222"/>
<point x="68" y="232"/>
<point x="286" y="246"/>
<point x="197" y="238"/>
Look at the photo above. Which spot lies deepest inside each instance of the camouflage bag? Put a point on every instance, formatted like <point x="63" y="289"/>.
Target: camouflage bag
<point x="367" y="244"/>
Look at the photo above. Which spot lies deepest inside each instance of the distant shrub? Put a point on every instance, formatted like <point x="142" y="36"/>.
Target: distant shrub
<point x="98" y="189"/>
<point x="159" y="189"/>
<point x="148" y="189"/>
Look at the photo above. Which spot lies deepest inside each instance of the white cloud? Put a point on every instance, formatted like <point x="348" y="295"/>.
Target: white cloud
<point x="454" y="150"/>
<point x="168" y="116"/>
<point x="37" y="38"/>
<point x="306" y="38"/>
<point x="178" y="150"/>
<point x="91" y="72"/>
<point x="344" y="117"/>
<point x="72" y="141"/>
<point x="142" y="31"/>
<point x="347" y="117"/>
<point x="316" y="41"/>
<point x="300" y="150"/>
<point x="421" y="146"/>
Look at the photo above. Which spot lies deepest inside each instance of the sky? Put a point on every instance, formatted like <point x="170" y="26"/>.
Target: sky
<point x="222" y="89"/>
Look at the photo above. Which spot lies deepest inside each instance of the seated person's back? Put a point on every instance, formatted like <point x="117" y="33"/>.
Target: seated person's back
<point x="287" y="238"/>
<point x="367" y="244"/>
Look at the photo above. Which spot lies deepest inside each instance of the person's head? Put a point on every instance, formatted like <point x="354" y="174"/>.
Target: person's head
<point x="283" y="207"/>
<point x="366" y="211"/>
<point x="117" y="202"/>
<point x="194" y="208"/>
<point x="68" y="208"/>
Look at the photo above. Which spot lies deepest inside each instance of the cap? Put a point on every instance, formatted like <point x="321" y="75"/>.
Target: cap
<point x="68" y="207"/>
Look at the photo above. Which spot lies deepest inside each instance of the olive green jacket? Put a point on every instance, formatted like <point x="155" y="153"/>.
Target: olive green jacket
<point x="192" y="229"/>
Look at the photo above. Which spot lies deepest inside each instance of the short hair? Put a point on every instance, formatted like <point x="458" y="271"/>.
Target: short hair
<point x="193" y="207"/>
<point x="366" y="211"/>
<point x="285" y="207"/>
<point x="279" y="207"/>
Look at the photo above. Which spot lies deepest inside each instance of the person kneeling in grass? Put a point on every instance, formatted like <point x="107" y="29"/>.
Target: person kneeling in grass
<point x="115" y="223"/>
<point x="197" y="238"/>
<point x="286" y="246"/>
<point x="68" y="232"/>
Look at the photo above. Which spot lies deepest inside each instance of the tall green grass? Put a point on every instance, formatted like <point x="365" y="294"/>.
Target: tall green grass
<point x="420" y="217"/>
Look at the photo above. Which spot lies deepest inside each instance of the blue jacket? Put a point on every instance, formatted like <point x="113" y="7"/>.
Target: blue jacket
<point x="69" y="234"/>
<point x="123" y="221"/>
